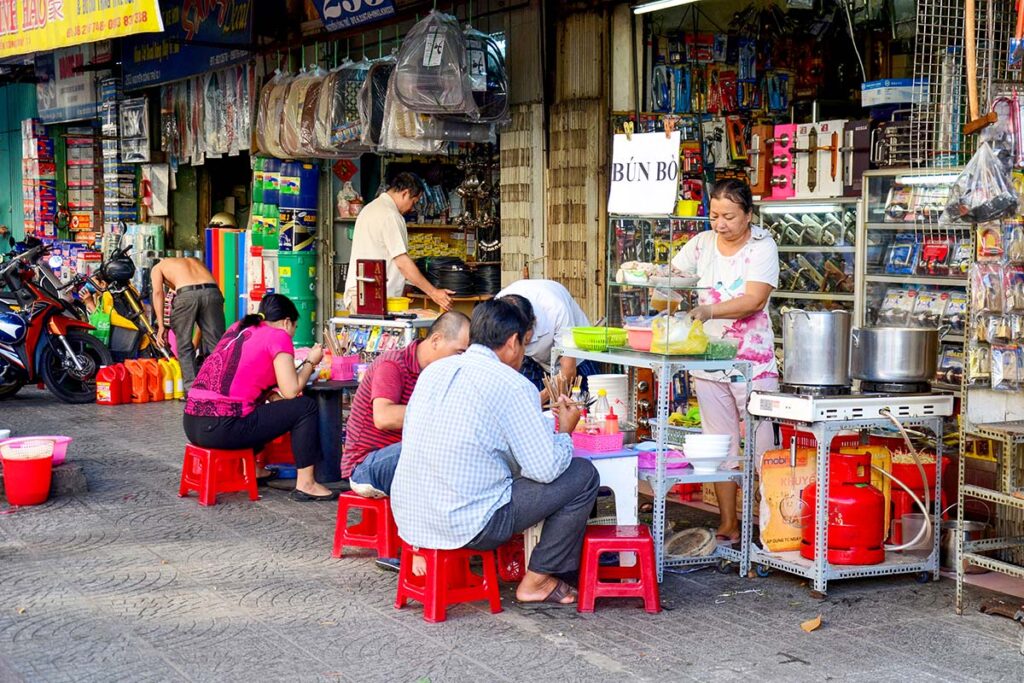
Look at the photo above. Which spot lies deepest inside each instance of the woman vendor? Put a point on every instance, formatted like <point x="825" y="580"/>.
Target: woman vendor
<point x="255" y="360"/>
<point x="738" y="266"/>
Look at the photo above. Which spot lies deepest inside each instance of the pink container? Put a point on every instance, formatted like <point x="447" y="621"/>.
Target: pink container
<point x="60" y="445"/>
<point x="343" y="368"/>
<point x="639" y="338"/>
<point x="674" y="460"/>
<point x="597" y="443"/>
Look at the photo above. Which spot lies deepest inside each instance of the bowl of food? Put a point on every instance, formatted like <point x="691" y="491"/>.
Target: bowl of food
<point x="720" y="348"/>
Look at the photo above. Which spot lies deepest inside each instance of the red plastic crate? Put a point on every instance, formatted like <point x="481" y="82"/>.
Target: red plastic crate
<point x="807" y="440"/>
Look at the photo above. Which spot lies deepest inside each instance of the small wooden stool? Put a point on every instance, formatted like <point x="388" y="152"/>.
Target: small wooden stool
<point x="210" y="471"/>
<point x="376" y="530"/>
<point x="448" y="581"/>
<point x="604" y="539"/>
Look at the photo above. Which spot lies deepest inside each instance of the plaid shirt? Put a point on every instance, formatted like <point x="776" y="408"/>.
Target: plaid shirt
<point x="472" y="424"/>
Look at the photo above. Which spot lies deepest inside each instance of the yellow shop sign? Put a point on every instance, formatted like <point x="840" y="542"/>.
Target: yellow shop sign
<point x="37" y="25"/>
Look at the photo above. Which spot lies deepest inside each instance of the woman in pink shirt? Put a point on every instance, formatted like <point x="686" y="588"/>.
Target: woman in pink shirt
<point x="254" y="362"/>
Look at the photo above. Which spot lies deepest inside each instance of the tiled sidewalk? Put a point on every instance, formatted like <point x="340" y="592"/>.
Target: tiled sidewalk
<point x="129" y="582"/>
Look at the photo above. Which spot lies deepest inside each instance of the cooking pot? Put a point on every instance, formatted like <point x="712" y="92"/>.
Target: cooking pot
<point x="894" y="354"/>
<point x="816" y="345"/>
<point x="972" y="531"/>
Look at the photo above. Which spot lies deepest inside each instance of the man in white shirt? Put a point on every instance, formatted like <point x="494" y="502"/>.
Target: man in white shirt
<point x="381" y="234"/>
<point x="555" y="313"/>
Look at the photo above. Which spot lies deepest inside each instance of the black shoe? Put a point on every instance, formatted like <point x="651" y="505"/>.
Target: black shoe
<point x="389" y="564"/>
<point x="303" y="497"/>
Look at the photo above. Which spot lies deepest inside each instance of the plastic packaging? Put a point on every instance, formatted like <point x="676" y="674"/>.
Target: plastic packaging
<point x="402" y="128"/>
<point x="373" y="100"/>
<point x="291" y="114"/>
<point x="983" y="191"/>
<point x="1013" y="289"/>
<point x="896" y="307"/>
<point x="929" y="309"/>
<point x="1006" y="368"/>
<point x="674" y="336"/>
<point x="487" y="75"/>
<point x="268" y="118"/>
<point x="432" y="74"/>
<point x="986" y="288"/>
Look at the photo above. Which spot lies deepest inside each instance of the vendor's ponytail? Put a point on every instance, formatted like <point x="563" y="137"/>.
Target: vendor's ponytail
<point x="273" y="308"/>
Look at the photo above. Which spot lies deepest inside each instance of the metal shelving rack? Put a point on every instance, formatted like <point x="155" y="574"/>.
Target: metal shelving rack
<point x="820" y="571"/>
<point x="662" y="481"/>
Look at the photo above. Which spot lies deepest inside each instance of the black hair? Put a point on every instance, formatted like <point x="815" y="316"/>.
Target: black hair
<point x="735" y="191"/>
<point x="495" y="321"/>
<point x="273" y="308"/>
<point x="449" y="325"/>
<point x="406" y="181"/>
<point x="524" y="306"/>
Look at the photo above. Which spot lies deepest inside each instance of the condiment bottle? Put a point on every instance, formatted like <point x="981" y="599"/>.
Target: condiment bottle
<point x="611" y="422"/>
<point x="581" y="426"/>
<point x="601" y="408"/>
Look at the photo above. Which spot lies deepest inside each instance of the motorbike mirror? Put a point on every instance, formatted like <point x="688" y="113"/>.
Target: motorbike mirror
<point x="56" y="261"/>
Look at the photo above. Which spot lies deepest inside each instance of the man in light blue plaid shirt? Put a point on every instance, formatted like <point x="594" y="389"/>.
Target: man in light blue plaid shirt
<point x="480" y="463"/>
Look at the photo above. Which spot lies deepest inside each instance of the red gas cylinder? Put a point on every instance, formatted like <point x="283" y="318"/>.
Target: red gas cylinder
<point x="856" y="513"/>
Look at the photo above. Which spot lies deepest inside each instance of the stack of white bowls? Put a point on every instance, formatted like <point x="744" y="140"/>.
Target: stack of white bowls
<point x="706" y="452"/>
<point x="617" y="389"/>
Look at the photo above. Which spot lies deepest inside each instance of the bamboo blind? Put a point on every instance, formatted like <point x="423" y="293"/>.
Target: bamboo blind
<point x="522" y="178"/>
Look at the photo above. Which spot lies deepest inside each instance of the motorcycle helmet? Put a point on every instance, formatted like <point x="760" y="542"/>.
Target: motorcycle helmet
<point x="119" y="270"/>
<point x="12" y="327"/>
<point x="222" y="220"/>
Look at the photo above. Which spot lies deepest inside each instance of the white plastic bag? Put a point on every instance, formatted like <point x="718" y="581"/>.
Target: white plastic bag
<point x="432" y="74"/>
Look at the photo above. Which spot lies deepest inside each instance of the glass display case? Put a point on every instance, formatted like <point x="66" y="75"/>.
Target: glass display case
<point x="912" y="270"/>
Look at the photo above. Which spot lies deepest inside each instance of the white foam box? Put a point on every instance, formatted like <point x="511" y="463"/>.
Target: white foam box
<point x="893" y="91"/>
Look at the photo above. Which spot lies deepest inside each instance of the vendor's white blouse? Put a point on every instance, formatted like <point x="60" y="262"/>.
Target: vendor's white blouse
<point x="725" y="278"/>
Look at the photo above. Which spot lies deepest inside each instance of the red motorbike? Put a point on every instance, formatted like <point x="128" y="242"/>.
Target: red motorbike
<point x="42" y="339"/>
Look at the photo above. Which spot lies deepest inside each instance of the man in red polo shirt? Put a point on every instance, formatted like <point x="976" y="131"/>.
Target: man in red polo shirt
<point x="375" y="424"/>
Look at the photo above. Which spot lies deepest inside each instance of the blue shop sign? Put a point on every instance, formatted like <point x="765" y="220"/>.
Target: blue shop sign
<point x="151" y="59"/>
<point x="342" y="14"/>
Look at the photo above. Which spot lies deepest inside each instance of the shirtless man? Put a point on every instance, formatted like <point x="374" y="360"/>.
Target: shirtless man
<point x="197" y="300"/>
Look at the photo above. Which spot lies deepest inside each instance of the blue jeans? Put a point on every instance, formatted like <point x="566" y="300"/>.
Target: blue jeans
<point x="378" y="468"/>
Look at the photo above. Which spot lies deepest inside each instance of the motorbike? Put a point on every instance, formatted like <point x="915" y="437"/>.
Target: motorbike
<point x="42" y="338"/>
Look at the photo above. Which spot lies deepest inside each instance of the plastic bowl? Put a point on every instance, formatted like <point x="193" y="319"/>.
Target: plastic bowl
<point x="60" y="445"/>
<point x="639" y="338"/>
<point x="708" y="466"/>
<point x="397" y="304"/>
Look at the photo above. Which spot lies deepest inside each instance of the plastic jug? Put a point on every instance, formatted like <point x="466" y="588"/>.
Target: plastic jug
<point x="140" y="382"/>
<point x="179" y="381"/>
<point x="154" y="379"/>
<point x="167" y="374"/>
<point x="108" y="386"/>
<point x="125" y="378"/>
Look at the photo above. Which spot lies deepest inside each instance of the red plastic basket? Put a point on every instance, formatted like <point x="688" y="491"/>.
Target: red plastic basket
<point x="597" y="443"/>
<point x="807" y="440"/>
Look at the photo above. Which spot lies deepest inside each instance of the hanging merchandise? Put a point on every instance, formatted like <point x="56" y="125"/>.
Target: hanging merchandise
<point x="134" y="120"/>
<point x="291" y="113"/>
<point x="338" y="125"/>
<point x="983" y="191"/>
<point x="207" y="116"/>
<point x="487" y="75"/>
<point x="268" y="119"/>
<point x="432" y="74"/>
<point x="403" y="129"/>
<point x="373" y="98"/>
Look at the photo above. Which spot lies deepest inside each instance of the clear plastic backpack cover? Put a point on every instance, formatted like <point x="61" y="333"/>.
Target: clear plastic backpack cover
<point x="373" y="97"/>
<point x="291" y="117"/>
<point x="432" y="74"/>
<point x="268" y="118"/>
<point x="487" y="75"/>
<point x="402" y="129"/>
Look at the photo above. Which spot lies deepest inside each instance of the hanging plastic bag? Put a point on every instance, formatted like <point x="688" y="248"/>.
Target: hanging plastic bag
<point x="983" y="191"/>
<point x="678" y="336"/>
<point x="101" y="321"/>
<point x="338" y="128"/>
<point x="373" y="98"/>
<point x="487" y="75"/>
<point x="432" y="75"/>
<point x="268" y="118"/>
<point x="291" y="116"/>
<point x="402" y="129"/>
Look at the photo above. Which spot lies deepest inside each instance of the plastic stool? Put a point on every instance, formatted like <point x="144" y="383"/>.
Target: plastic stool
<point x="376" y="530"/>
<point x="602" y="539"/>
<point x="277" y="452"/>
<point x="210" y="471"/>
<point x="902" y="503"/>
<point x="448" y="581"/>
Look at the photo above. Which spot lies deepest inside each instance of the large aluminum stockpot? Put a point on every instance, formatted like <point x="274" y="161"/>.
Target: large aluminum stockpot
<point x="894" y="354"/>
<point x="816" y="345"/>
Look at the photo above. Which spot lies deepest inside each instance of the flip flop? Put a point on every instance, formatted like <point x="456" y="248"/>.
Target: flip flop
<point x="722" y="539"/>
<point x="553" y="599"/>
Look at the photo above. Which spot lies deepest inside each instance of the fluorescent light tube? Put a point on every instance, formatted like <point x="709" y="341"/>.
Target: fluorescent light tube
<point x="656" y="5"/>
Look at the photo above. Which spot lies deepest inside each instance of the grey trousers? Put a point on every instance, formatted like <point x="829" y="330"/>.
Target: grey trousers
<point x="564" y="505"/>
<point x="203" y="307"/>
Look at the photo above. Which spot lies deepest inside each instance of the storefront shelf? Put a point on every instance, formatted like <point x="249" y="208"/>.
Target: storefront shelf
<point x="688" y="477"/>
<point x="815" y="248"/>
<point x="795" y="563"/>
<point x="993" y="496"/>
<point x="918" y="280"/>
<point x="916" y="226"/>
<point x="648" y="285"/>
<point x="813" y="296"/>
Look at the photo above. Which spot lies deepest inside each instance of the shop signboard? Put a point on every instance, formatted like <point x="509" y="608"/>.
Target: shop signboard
<point x="186" y="47"/>
<point x="342" y="14"/>
<point x="64" y="92"/>
<point x="644" y="174"/>
<point x="39" y="25"/>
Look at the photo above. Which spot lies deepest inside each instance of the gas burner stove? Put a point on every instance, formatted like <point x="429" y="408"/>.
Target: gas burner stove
<point x="815" y="390"/>
<point x="860" y="406"/>
<point x="895" y="388"/>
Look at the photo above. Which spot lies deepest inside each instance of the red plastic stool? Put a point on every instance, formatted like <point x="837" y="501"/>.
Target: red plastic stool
<point x="210" y="471"/>
<point x="376" y="530"/>
<point x="902" y="503"/>
<point x="277" y="452"/>
<point x="448" y="581"/>
<point x="511" y="558"/>
<point x="603" y="538"/>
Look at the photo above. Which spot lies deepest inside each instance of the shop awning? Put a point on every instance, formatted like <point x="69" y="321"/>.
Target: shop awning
<point x="28" y="26"/>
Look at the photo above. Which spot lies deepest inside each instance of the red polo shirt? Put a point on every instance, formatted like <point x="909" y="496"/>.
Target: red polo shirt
<point x="392" y="376"/>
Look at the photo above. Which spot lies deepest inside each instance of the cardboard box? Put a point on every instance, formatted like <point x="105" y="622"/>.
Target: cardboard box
<point x="893" y="91"/>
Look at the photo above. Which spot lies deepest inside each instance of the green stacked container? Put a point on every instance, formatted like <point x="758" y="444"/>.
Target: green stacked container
<point x="296" y="273"/>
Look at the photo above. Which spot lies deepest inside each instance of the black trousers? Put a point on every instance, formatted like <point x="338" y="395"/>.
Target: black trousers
<point x="564" y="505"/>
<point x="260" y="427"/>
